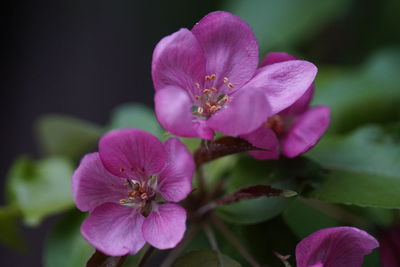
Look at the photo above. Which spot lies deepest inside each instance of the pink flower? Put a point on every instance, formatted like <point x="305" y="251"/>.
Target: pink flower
<point x="335" y="247"/>
<point x="295" y="129"/>
<point x="390" y="247"/>
<point x="207" y="79"/>
<point x="124" y="186"/>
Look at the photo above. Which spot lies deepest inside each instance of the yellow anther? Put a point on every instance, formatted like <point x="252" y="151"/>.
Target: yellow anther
<point x="200" y="110"/>
<point x="225" y="98"/>
<point x="207" y="77"/>
<point x="226" y="79"/>
<point x="230" y="85"/>
<point x="122" y="201"/>
<point x="197" y="85"/>
<point x="213" y="76"/>
<point x="214" y="89"/>
<point x="206" y="91"/>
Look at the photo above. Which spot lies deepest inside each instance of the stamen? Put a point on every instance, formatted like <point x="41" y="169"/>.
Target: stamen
<point x="214" y="89"/>
<point x="197" y="85"/>
<point x="122" y="201"/>
<point x="213" y="76"/>
<point x="196" y="97"/>
<point x="206" y="91"/>
<point x="226" y="79"/>
<point x="207" y="77"/>
<point x="230" y="85"/>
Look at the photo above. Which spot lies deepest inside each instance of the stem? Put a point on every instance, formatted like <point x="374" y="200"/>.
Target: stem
<point x="174" y="254"/>
<point x="213" y="242"/>
<point x="146" y="255"/>
<point x="234" y="241"/>
<point x="202" y="181"/>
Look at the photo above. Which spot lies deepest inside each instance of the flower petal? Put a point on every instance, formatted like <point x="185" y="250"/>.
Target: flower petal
<point x="114" y="230"/>
<point x="173" y="109"/>
<point x="284" y="82"/>
<point x="243" y="113"/>
<point x="93" y="185"/>
<point x="276" y="57"/>
<point x="132" y="153"/>
<point x="165" y="226"/>
<point x="178" y="60"/>
<point x="301" y="105"/>
<point x="175" y="182"/>
<point x="230" y="47"/>
<point x="335" y="247"/>
<point x="306" y="131"/>
<point x="263" y="138"/>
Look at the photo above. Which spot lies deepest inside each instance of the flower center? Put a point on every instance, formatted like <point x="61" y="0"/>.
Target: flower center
<point x="140" y="193"/>
<point x="276" y="124"/>
<point x="210" y="99"/>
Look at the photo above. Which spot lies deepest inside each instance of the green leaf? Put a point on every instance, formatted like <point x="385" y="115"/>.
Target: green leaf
<point x="10" y="234"/>
<point x="66" y="136"/>
<point x="364" y="166"/>
<point x="303" y="220"/>
<point x="281" y="174"/>
<point x="65" y="245"/>
<point x="136" y="116"/>
<point x="40" y="188"/>
<point x="209" y="258"/>
<point x="369" y="94"/>
<point x="273" y="21"/>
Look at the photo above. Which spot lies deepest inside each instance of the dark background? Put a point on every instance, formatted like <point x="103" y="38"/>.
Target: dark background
<point x="83" y="58"/>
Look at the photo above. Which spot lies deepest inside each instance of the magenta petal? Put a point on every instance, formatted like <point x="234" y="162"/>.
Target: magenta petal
<point x="93" y="185"/>
<point x="114" y="230"/>
<point x="284" y="82"/>
<point x="175" y="182"/>
<point x="165" y="226"/>
<point x="230" y="47"/>
<point x="301" y="105"/>
<point x="132" y="153"/>
<point x="173" y="109"/>
<point x="178" y="60"/>
<point x="305" y="131"/>
<point x="335" y="247"/>
<point x="276" y="57"/>
<point x="247" y="109"/>
<point x="263" y="138"/>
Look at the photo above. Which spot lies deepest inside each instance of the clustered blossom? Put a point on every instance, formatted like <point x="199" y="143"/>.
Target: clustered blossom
<point x="207" y="79"/>
<point x="293" y="130"/>
<point x="335" y="247"/>
<point x="129" y="188"/>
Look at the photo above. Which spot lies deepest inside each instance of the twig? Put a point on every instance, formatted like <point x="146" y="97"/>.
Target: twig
<point x="234" y="241"/>
<point x="146" y="255"/>
<point x="174" y="254"/>
<point x="213" y="242"/>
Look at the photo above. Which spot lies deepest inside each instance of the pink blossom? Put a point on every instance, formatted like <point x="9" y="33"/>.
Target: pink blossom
<point x="207" y="80"/>
<point x="129" y="188"/>
<point x="293" y="130"/>
<point x="335" y="247"/>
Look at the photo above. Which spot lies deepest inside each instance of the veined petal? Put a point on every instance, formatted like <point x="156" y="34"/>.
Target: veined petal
<point x="306" y="131"/>
<point x="276" y="57"/>
<point x="178" y="60"/>
<point x="303" y="102"/>
<point x="263" y="138"/>
<point x="114" y="230"/>
<point x="230" y="47"/>
<point x="175" y="182"/>
<point x="132" y="153"/>
<point x="335" y="247"/>
<point x="93" y="185"/>
<point x="284" y="82"/>
<point x="243" y="113"/>
<point x="173" y="109"/>
<point x="165" y="226"/>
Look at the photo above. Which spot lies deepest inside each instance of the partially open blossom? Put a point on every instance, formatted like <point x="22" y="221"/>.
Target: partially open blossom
<point x="207" y="80"/>
<point x="335" y="247"/>
<point x="128" y="188"/>
<point x="293" y="130"/>
<point x="390" y="247"/>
